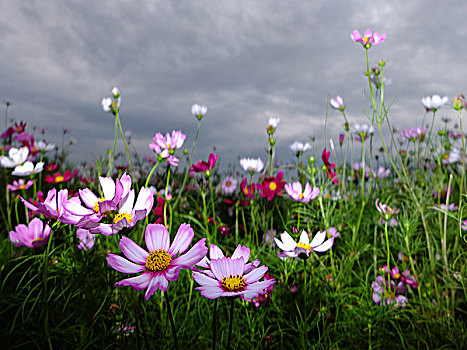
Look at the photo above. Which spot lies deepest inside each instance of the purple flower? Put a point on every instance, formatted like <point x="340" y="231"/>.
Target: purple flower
<point x="369" y="39"/>
<point x="231" y="279"/>
<point x="229" y="184"/>
<point x="20" y="185"/>
<point x="86" y="239"/>
<point x="294" y="190"/>
<point x="202" y="166"/>
<point x="166" y="146"/>
<point x="162" y="263"/>
<point x="34" y="235"/>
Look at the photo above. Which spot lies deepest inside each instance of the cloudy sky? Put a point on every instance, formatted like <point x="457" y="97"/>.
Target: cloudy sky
<point x="247" y="60"/>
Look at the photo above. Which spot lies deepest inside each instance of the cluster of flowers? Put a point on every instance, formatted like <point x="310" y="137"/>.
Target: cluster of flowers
<point x="218" y="276"/>
<point x="387" y="292"/>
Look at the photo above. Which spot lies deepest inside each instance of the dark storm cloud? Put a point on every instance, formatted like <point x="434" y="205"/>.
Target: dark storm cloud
<point x="247" y="60"/>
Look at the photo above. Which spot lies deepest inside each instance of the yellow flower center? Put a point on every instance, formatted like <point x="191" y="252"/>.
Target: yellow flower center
<point x="365" y="39"/>
<point x="301" y="195"/>
<point x="245" y="190"/>
<point x="158" y="260"/>
<point x="233" y="283"/>
<point x="228" y="184"/>
<point x="22" y="187"/>
<point x="168" y="146"/>
<point x="96" y="205"/>
<point x="38" y="239"/>
<point x="272" y="186"/>
<point x="397" y="275"/>
<point x="303" y="245"/>
<point x="122" y="216"/>
<point x="58" y="179"/>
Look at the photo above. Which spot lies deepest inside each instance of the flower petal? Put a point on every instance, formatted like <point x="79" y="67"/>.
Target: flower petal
<point x="256" y="274"/>
<point x="182" y="240"/>
<point x="123" y="265"/>
<point x="133" y="251"/>
<point x="193" y="256"/>
<point x="325" y="246"/>
<point x="137" y="283"/>
<point x="157" y="237"/>
<point x="318" y="239"/>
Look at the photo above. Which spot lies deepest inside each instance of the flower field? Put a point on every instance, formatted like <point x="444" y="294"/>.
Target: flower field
<point x="349" y="245"/>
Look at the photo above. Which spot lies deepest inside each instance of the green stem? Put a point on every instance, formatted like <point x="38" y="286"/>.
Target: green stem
<point x="130" y="162"/>
<point x="229" y="338"/>
<point x="45" y="294"/>
<point x="213" y="208"/>
<point x="150" y="174"/>
<point x="169" y="311"/>
<point x="112" y="153"/>
<point x="214" y="325"/>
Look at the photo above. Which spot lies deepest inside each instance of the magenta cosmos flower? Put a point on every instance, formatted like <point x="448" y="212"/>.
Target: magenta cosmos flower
<point x="304" y="247"/>
<point x="202" y="166"/>
<point x="229" y="279"/>
<point x="295" y="191"/>
<point x="163" y="261"/>
<point x="369" y="39"/>
<point x="272" y="186"/>
<point x="33" y="236"/>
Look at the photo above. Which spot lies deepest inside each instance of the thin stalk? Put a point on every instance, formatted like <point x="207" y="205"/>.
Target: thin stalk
<point x="165" y="202"/>
<point x="112" y="153"/>
<point x="213" y="208"/>
<point x="150" y="174"/>
<point x="188" y="166"/>
<point x="172" y="324"/>
<point x="45" y="293"/>
<point x="229" y="338"/>
<point x="214" y="325"/>
<point x="130" y="162"/>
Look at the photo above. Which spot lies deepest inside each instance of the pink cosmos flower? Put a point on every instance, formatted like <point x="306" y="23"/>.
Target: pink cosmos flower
<point x="33" y="236"/>
<point x="329" y="166"/>
<point x="337" y="103"/>
<point x="304" y="247"/>
<point x="86" y="239"/>
<point x="230" y="279"/>
<point x="202" y="166"/>
<point x="163" y="261"/>
<point x="369" y="39"/>
<point x="166" y="146"/>
<point x="20" y="185"/>
<point x="53" y="207"/>
<point x="294" y="190"/>
<point x="272" y="186"/>
<point x="241" y="252"/>
<point x="59" y="178"/>
<point x="229" y="184"/>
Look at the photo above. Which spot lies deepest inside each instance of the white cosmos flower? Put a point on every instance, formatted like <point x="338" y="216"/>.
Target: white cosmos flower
<point x="199" y="111"/>
<point x="434" y="102"/>
<point x="300" y="146"/>
<point x="304" y="247"/>
<point x="28" y="168"/>
<point x="250" y="164"/>
<point x="274" y="122"/>
<point x="15" y="157"/>
<point x="44" y="146"/>
<point x="106" y="104"/>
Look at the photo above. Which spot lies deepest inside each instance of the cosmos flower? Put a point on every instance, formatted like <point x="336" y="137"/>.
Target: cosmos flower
<point x="162" y="263"/>
<point x="271" y="186"/>
<point x="28" y="168"/>
<point x="300" y="147"/>
<point x="44" y="146"/>
<point x="231" y="279"/>
<point x="166" y="146"/>
<point x="369" y="39"/>
<point x="304" y="247"/>
<point x="337" y="103"/>
<point x="199" y="111"/>
<point x="329" y="166"/>
<point x="229" y="184"/>
<point x="274" y="122"/>
<point x="294" y="190"/>
<point x="362" y="132"/>
<point x="266" y="296"/>
<point x="59" y="178"/>
<point x="86" y="239"/>
<point x="247" y="190"/>
<point x="34" y="235"/>
<point x="53" y="206"/>
<point x="434" y="102"/>
<point x="202" y="166"/>
<point x="387" y="294"/>
<point x="414" y="134"/>
<point x="16" y="156"/>
<point x="252" y="165"/>
<point x="20" y="185"/>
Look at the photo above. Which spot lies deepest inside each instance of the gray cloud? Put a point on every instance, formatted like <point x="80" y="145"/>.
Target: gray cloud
<point x="247" y="60"/>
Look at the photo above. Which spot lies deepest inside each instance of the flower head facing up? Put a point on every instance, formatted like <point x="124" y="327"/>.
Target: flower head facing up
<point x="272" y="186"/>
<point x="304" y="247"/>
<point x="34" y="235"/>
<point x="414" y="134"/>
<point x="229" y="184"/>
<point x="369" y="39"/>
<point x="337" y="103"/>
<point x="109" y="105"/>
<point x="162" y="263"/>
<point x="59" y="178"/>
<point x="273" y="122"/>
<point x="20" y="185"/>
<point x="199" y="111"/>
<point x="166" y="146"/>
<point x="362" y="132"/>
<point x="28" y="168"/>
<point x="294" y="190"/>
<point x="299" y="147"/>
<point x="387" y="213"/>
<point x="230" y="277"/>
<point x="204" y="167"/>
<point x="16" y="156"/>
<point x="252" y="165"/>
<point x="433" y="103"/>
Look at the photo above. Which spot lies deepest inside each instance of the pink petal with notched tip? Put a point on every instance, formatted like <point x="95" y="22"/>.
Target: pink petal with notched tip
<point x="157" y="237"/>
<point x="182" y="240"/>
<point x="133" y="251"/>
